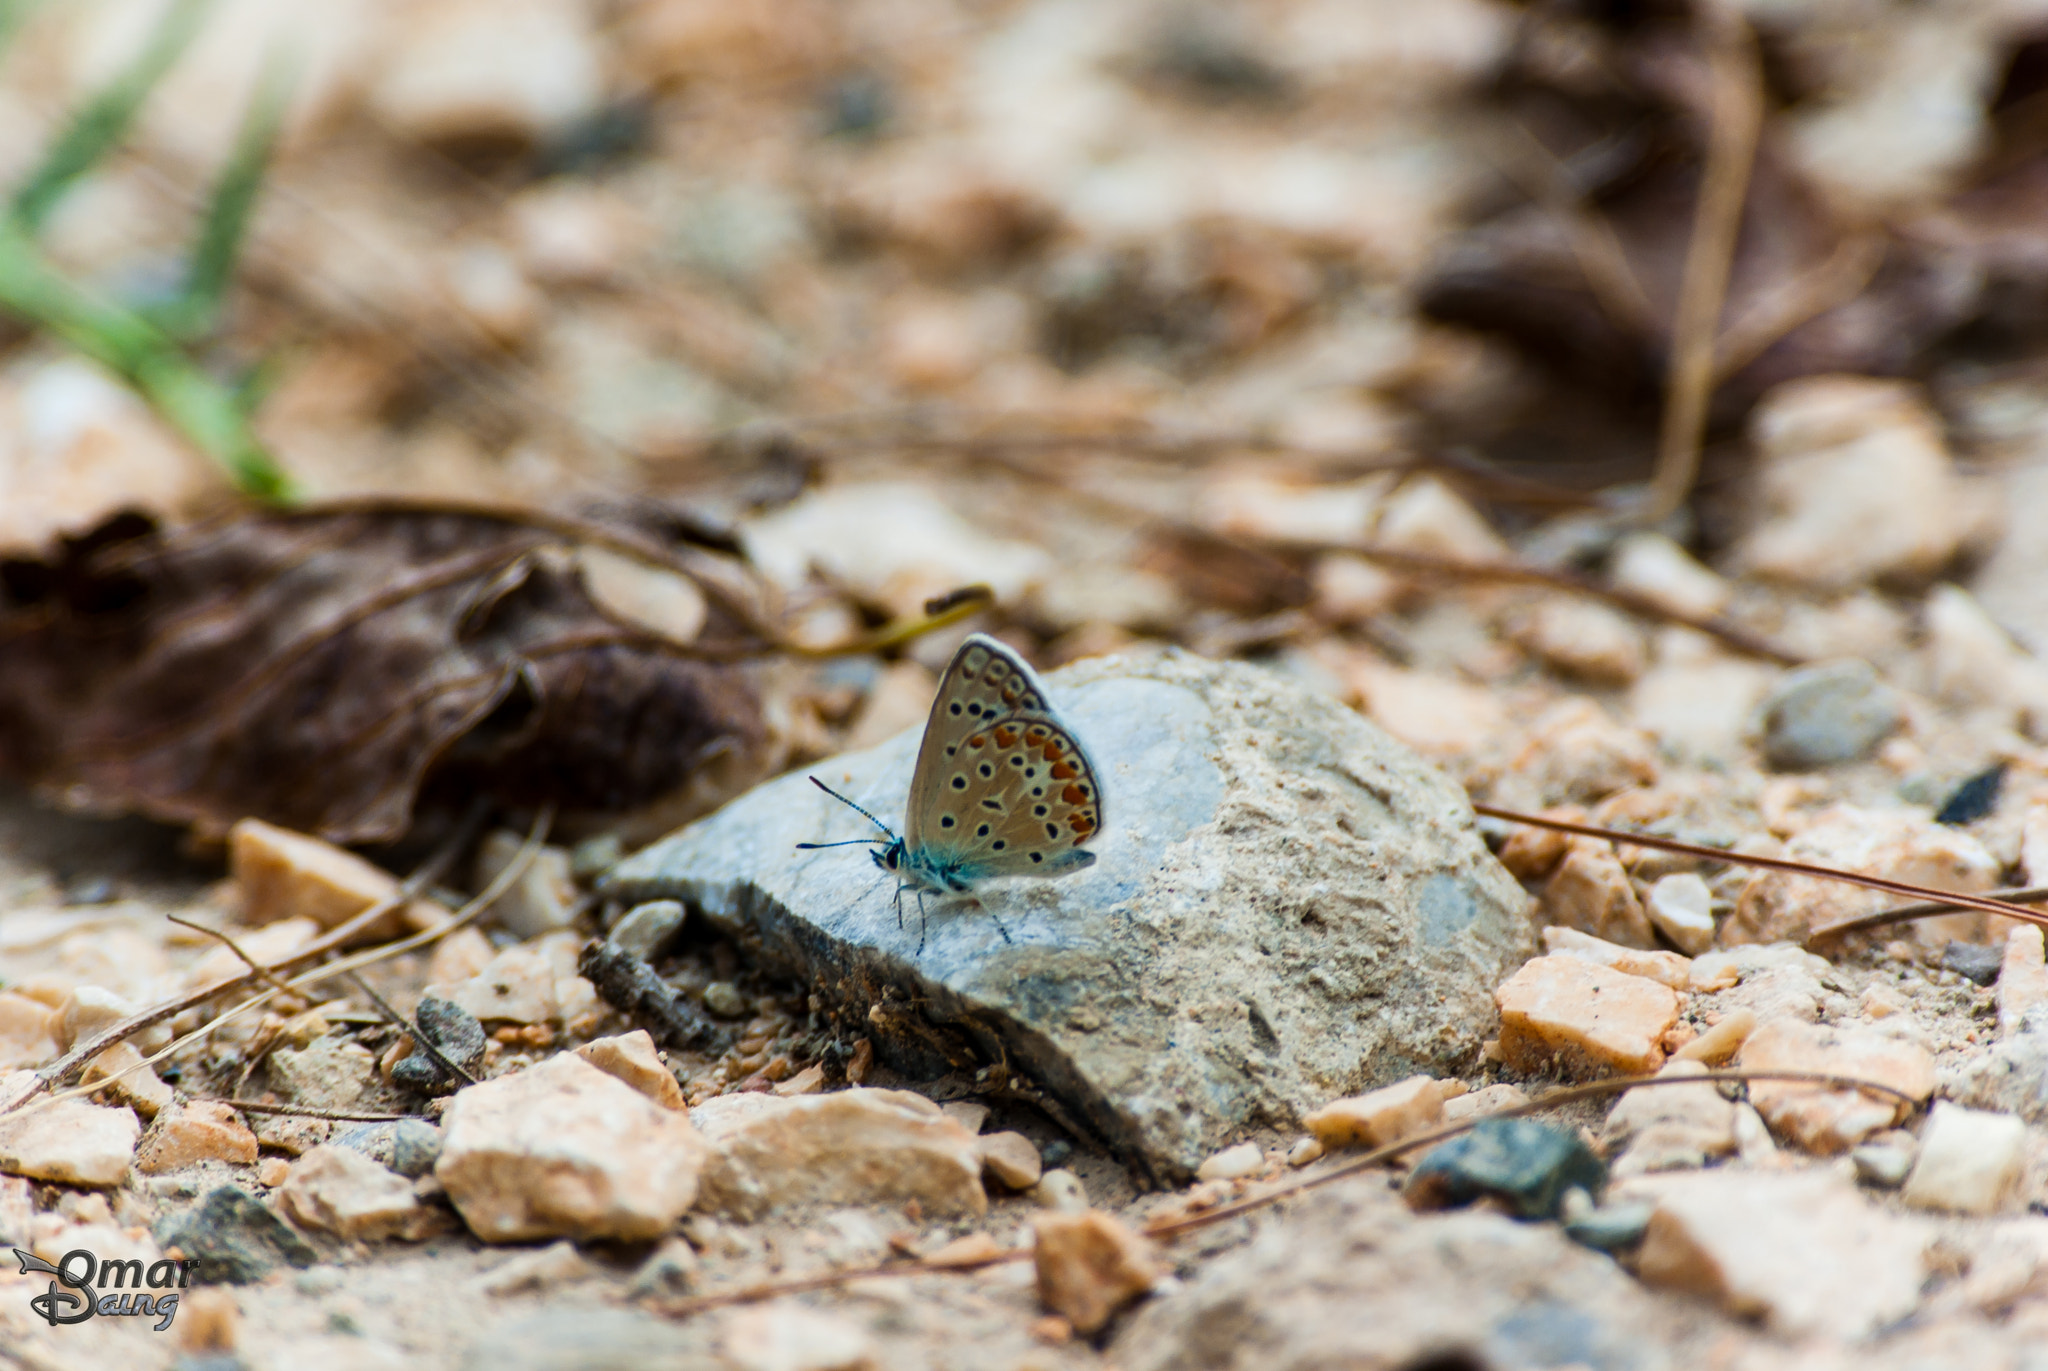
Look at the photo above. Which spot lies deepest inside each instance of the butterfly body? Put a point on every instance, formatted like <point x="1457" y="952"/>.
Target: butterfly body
<point x="1002" y="787"/>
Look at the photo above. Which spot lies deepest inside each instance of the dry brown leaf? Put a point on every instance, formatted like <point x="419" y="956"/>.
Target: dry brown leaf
<point x="332" y="670"/>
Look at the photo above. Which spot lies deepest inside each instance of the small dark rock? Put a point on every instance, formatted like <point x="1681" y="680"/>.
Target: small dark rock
<point x="1974" y="799"/>
<point x="234" y="1237"/>
<point x="453" y="1030"/>
<point x="1056" y="1152"/>
<point x="407" y="1146"/>
<point x="1530" y="1165"/>
<point x="856" y="107"/>
<point x="1973" y="961"/>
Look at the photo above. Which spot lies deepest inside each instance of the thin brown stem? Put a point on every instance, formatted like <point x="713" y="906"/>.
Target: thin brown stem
<point x="1735" y="119"/>
<point x="1936" y="899"/>
<point x="1906" y="913"/>
<point x="1558" y="578"/>
<point x="304" y="1112"/>
<point x="420" y="1037"/>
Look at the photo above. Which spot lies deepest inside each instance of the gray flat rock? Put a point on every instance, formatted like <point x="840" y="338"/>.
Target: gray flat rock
<point x="1287" y="906"/>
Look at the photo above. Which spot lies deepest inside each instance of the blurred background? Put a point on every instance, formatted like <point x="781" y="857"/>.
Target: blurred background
<point x="1229" y="324"/>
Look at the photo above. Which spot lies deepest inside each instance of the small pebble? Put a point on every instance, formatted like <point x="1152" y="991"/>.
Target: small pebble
<point x="647" y="928"/>
<point x="1380" y="1117"/>
<point x="556" y="1264"/>
<point x="1090" y="1264"/>
<point x="724" y="999"/>
<point x="1232" y="1163"/>
<point x="1011" y="1159"/>
<point x="1722" y="1041"/>
<point x="1970" y="1160"/>
<point x="1973" y="961"/>
<point x="1304" y="1151"/>
<point x="1681" y="907"/>
<point x="1060" y="1191"/>
<point x="1821" y="715"/>
<point x="1881" y="1166"/>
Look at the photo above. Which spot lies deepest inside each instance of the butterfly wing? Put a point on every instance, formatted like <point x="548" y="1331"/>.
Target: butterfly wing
<point x="1002" y="786"/>
<point x="1017" y="797"/>
<point x="984" y="682"/>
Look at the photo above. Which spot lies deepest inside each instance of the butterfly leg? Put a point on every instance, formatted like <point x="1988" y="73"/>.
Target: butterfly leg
<point x="920" y="923"/>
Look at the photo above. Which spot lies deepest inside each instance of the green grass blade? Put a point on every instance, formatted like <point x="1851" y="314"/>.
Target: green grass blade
<point x="104" y="119"/>
<point x="211" y="415"/>
<point x="194" y="313"/>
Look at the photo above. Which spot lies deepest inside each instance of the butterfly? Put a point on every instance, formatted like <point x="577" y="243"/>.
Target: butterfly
<point x="1002" y="786"/>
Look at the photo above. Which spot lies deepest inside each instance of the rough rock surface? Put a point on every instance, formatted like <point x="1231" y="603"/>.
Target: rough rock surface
<point x="851" y="1146"/>
<point x="70" y="1141"/>
<point x="1358" y="1283"/>
<point x="1804" y="1251"/>
<point x="564" y="1150"/>
<point x="341" y="1191"/>
<point x="1287" y="906"/>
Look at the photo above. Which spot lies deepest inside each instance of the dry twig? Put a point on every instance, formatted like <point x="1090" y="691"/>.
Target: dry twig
<point x="72" y="1061"/>
<point x="1937" y="901"/>
<point x="1735" y="118"/>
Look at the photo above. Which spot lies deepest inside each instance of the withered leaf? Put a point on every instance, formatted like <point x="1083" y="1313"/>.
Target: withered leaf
<point x="1809" y="290"/>
<point x="334" y="670"/>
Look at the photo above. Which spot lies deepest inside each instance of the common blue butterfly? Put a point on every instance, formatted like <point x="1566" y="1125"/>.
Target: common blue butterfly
<point x="1002" y="787"/>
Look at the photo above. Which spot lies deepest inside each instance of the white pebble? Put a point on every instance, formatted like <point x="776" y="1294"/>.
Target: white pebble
<point x="1245" y="1159"/>
<point x="1970" y="1160"/>
<point x="1682" y="908"/>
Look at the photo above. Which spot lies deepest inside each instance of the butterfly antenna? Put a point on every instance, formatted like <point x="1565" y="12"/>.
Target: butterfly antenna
<point x="999" y="925"/>
<point x="852" y="806"/>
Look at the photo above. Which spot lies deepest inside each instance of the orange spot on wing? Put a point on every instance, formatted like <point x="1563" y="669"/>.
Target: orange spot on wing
<point x="1072" y="795"/>
<point x="1005" y="738"/>
<point x="1063" y="772"/>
